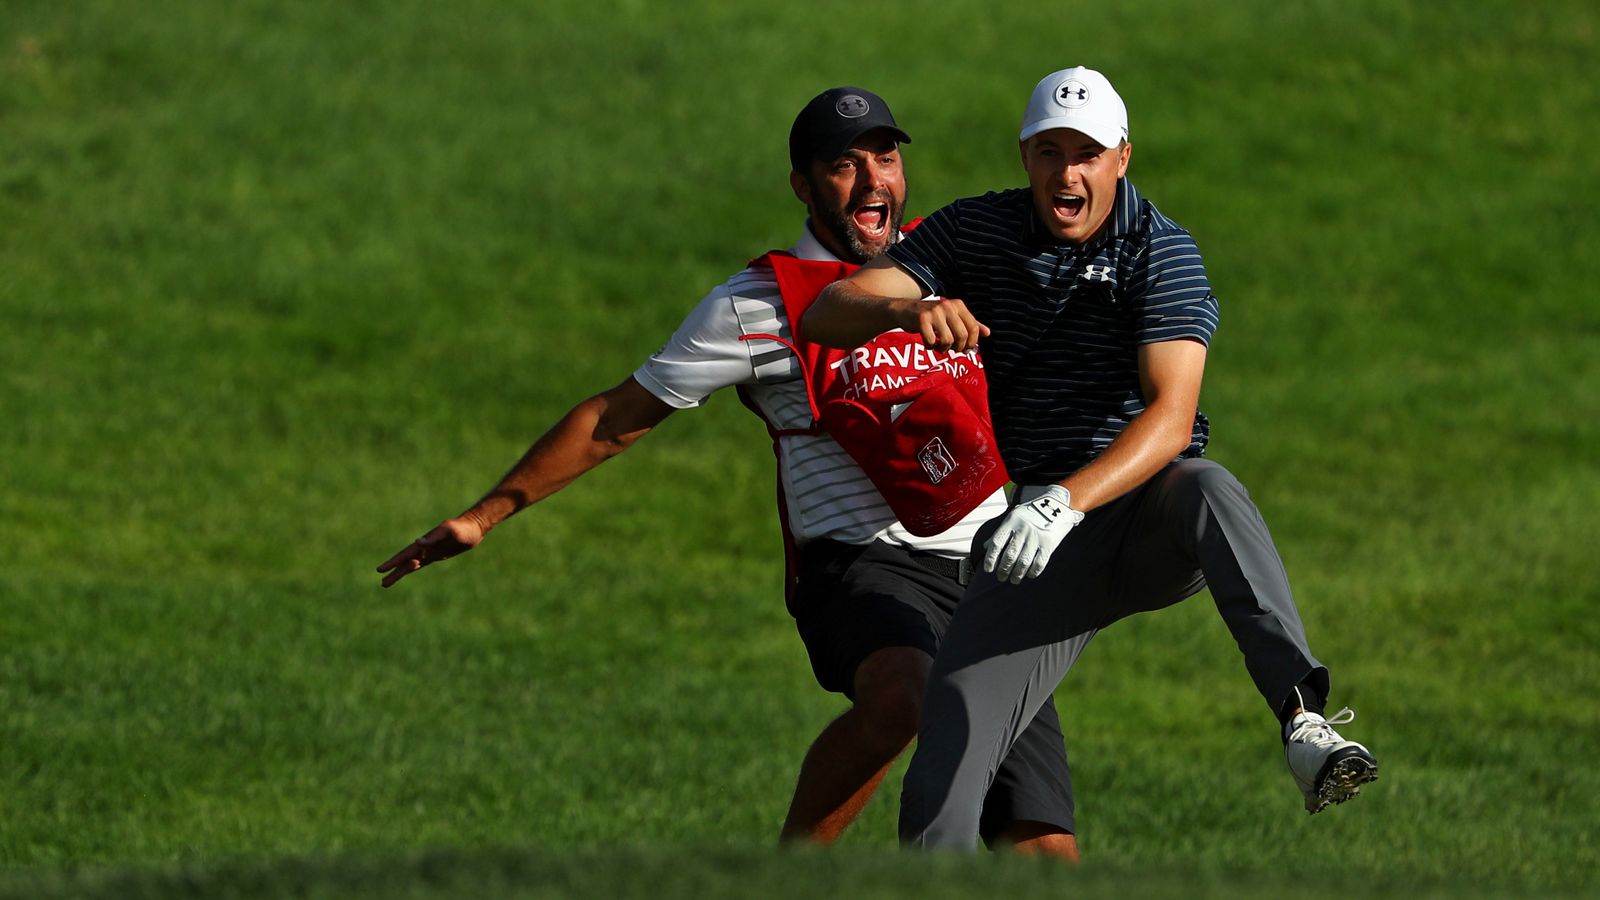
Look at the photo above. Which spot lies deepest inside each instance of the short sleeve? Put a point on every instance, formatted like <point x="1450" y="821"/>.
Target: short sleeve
<point x="928" y="252"/>
<point x="703" y="356"/>
<point x="1172" y="291"/>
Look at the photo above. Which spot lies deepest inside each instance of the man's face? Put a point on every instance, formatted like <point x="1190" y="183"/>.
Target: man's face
<point x="857" y="200"/>
<point x="1074" y="181"/>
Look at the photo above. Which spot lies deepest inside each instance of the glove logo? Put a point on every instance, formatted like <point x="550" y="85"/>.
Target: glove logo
<point x="937" y="463"/>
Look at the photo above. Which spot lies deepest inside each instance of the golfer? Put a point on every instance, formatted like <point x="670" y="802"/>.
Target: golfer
<point x="1093" y="313"/>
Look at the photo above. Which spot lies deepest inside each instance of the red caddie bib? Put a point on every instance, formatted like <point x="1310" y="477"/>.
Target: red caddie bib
<point x="915" y="420"/>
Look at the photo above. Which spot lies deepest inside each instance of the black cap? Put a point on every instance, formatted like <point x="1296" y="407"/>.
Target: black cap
<point x="833" y="120"/>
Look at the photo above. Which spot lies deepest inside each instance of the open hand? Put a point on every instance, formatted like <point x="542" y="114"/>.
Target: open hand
<point x="449" y="538"/>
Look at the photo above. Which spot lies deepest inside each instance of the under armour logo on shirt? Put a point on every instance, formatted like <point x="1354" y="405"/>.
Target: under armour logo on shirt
<point x="1096" y="273"/>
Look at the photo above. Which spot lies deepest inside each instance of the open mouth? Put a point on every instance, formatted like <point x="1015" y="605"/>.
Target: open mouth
<point x="872" y="219"/>
<point x="1068" y="206"/>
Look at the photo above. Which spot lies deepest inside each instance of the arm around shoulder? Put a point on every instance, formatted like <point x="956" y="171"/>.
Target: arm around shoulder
<point x="879" y="297"/>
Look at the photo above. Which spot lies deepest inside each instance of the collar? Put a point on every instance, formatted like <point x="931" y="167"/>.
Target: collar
<point x="808" y="247"/>
<point x="1122" y="220"/>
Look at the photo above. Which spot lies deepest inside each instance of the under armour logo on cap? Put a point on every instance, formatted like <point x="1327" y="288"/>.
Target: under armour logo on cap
<point x="1080" y="99"/>
<point x="1072" y="94"/>
<point x="835" y="118"/>
<point x="852" y="106"/>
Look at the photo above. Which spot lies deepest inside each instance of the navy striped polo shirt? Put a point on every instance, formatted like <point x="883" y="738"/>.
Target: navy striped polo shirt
<point x="1067" y="319"/>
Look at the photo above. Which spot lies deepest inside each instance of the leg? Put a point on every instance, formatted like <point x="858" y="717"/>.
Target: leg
<point x="1006" y="649"/>
<point x="1038" y="839"/>
<point x="1195" y="516"/>
<point x="877" y="614"/>
<point x="848" y="761"/>
<point x="978" y="701"/>
<point x="1029" y="808"/>
<point x="856" y="610"/>
<point x="845" y="765"/>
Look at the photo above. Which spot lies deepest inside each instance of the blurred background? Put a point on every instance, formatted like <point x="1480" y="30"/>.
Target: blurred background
<point x="283" y="284"/>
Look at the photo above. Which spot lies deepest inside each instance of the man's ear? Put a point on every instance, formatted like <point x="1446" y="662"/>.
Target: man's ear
<point x="1022" y="151"/>
<point x="801" y="187"/>
<point x="1127" y="153"/>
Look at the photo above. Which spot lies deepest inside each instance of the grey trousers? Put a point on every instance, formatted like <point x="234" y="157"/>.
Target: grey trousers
<point x="1189" y="527"/>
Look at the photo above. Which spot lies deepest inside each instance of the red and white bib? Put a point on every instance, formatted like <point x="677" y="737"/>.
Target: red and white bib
<point x="915" y="420"/>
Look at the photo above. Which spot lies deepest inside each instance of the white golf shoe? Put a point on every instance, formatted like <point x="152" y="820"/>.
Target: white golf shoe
<point x="1328" y="768"/>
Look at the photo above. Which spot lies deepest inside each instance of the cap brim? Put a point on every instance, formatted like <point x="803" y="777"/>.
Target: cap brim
<point x="1106" y="134"/>
<point x="844" y="141"/>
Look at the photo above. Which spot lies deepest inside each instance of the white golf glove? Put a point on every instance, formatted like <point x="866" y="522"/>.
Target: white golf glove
<point x="1021" y="547"/>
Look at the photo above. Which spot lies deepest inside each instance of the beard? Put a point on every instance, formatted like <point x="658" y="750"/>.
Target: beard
<point x="838" y="223"/>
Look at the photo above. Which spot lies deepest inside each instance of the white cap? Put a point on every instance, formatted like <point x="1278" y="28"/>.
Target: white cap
<point x="1077" y="98"/>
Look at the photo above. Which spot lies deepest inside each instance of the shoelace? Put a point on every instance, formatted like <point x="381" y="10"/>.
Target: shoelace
<point x="1312" y="731"/>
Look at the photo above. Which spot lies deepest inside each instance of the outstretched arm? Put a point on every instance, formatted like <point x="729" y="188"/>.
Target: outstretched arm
<point x="881" y="296"/>
<point x="591" y="433"/>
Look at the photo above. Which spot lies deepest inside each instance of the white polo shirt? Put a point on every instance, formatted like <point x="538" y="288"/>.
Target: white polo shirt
<point x="828" y="495"/>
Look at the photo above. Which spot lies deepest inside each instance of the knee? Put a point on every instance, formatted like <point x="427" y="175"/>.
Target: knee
<point x="1207" y="477"/>
<point x="1203" y="482"/>
<point x="1038" y="839"/>
<point x="889" y="697"/>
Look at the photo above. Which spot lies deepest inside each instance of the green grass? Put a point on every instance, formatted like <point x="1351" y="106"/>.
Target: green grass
<point x="281" y="284"/>
<point x="649" y="873"/>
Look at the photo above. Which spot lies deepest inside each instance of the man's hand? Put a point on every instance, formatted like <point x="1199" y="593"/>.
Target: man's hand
<point x="1021" y="547"/>
<point x="449" y="538"/>
<point x="947" y="324"/>
<point x="882" y="296"/>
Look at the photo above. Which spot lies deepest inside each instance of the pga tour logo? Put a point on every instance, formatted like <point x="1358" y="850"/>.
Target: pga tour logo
<point x="936" y="460"/>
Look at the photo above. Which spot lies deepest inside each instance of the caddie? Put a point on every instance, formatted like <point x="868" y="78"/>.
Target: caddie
<point x="1093" y="312"/>
<point x="870" y="594"/>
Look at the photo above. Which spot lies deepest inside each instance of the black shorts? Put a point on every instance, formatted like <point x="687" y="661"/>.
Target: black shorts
<point x="852" y="601"/>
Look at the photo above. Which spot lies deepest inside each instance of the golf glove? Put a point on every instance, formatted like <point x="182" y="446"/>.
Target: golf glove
<point x="1021" y="547"/>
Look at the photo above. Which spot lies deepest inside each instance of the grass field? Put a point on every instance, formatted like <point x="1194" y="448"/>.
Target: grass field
<point x="282" y="284"/>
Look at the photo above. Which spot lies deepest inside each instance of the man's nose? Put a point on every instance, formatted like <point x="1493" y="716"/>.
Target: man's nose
<point x="873" y="175"/>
